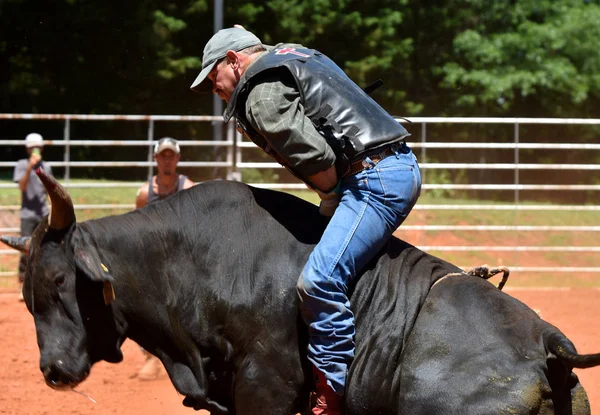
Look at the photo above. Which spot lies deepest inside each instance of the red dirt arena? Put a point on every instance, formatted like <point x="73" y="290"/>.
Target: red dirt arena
<point x="116" y="390"/>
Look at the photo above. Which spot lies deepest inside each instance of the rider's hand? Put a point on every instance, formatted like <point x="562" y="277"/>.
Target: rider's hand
<point x="329" y="201"/>
<point x="327" y="207"/>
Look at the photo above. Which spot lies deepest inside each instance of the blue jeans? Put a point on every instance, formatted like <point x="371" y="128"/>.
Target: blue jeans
<point x="374" y="202"/>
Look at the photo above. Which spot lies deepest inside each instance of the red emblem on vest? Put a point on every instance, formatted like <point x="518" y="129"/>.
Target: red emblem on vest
<point x="292" y="51"/>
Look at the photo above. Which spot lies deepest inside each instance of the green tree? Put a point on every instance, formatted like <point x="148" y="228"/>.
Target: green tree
<point x="85" y="56"/>
<point x="526" y="58"/>
<point x="456" y="57"/>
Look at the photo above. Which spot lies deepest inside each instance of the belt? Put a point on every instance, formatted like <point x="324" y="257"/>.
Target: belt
<point x="361" y="164"/>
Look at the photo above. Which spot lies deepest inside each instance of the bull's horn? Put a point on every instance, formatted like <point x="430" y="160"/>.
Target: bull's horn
<point x="20" y="243"/>
<point x="62" y="214"/>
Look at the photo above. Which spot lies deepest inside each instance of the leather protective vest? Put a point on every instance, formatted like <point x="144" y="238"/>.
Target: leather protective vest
<point x="351" y="121"/>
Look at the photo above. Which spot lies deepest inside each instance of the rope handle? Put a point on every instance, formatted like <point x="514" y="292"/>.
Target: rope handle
<point x="482" y="271"/>
<point x="486" y="273"/>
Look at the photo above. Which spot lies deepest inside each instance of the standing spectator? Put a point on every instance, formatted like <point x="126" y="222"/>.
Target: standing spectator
<point x="166" y="183"/>
<point x="33" y="194"/>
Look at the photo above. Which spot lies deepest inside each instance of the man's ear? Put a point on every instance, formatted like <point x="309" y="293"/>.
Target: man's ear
<point x="87" y="259"/>
<point x="233" y="59"/>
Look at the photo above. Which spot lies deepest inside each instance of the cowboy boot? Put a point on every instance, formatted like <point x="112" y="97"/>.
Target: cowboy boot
<point x="328" y="402"/>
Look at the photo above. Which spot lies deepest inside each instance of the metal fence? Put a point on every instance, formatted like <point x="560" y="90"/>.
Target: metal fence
<point x="235" y="163"/>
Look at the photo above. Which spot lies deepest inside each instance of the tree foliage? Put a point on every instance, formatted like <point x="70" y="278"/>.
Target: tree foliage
<point x="455" y="57"/>
<point x="535" y="58"/>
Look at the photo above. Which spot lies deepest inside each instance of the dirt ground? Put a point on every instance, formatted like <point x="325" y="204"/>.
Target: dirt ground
<point x="115" y="389"/>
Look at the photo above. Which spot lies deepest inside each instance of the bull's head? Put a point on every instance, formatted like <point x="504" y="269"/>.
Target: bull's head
<point x="68" y="290"/>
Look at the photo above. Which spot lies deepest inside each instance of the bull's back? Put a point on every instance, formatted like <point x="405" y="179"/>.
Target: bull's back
<point x="220" y="223"/>
<point x="212" y="246"/>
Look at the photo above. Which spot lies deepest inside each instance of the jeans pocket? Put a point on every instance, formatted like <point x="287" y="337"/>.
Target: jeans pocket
<point x="400" y="184"/>
<point x="400" y="161"/>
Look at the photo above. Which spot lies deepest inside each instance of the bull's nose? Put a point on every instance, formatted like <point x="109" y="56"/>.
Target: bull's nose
<point x="57" y="377"/>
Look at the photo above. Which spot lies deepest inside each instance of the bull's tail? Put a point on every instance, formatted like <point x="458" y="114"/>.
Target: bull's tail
<point x="557" y="343"/>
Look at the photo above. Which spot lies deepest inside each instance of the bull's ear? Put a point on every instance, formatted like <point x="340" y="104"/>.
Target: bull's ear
<point x="18" y="243"/>
<point x="88" y="260"/>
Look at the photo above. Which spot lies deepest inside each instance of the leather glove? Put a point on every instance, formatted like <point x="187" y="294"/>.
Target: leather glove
<point x="329" y="201"/>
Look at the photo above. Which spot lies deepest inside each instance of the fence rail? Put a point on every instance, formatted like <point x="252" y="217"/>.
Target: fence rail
<point x="235" y="164"/>
<point x="462" y="166"/>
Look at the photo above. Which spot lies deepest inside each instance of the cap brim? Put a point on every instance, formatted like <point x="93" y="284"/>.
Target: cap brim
<point x="168" y="147"/>
<point x="201" y="84"/>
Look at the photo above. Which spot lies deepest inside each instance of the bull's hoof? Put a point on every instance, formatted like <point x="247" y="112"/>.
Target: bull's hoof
<point x="213" y="407"/>
<point x="189" y="402"/>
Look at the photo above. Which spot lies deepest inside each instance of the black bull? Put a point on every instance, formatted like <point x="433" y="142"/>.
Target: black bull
<point x="206" y="281"/>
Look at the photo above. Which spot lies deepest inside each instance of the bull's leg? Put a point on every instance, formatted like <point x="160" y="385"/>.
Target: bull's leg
<point x="270" y="386"/>
<point x="580" y="403"/>
<point x="568" y="396"/>
<point x="194" y="386"/>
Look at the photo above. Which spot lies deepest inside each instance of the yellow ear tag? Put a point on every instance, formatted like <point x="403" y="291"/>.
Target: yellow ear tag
<point x="107" y="289"/>
<point x="108" y="292"/>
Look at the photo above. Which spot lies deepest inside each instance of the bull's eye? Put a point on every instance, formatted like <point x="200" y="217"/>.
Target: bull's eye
<point x="59" y="280"/>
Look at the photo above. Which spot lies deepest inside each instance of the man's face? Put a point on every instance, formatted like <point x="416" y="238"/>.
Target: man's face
<point x="166" y="162"/>
<point x="31" y="149"/>
<point x="224" y="78"/>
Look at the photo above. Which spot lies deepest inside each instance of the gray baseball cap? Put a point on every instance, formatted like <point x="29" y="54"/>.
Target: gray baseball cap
<point x="233" y="38"/>
<point x="167" y="143"/>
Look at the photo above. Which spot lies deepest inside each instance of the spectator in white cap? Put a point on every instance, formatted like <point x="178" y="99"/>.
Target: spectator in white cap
<point x="167" y="182"/>
<point x="33" y="195"/>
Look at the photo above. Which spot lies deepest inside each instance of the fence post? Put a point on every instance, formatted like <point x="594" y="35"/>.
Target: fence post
<point x="150" y="149"/>
<point x="238" y="154"/>
<point x="423" y="235"/>
<point x="517" y="195"/>
<point x="67" y="151"/>
<point x="423" y="148"/>
<point x="231" y="151"/>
